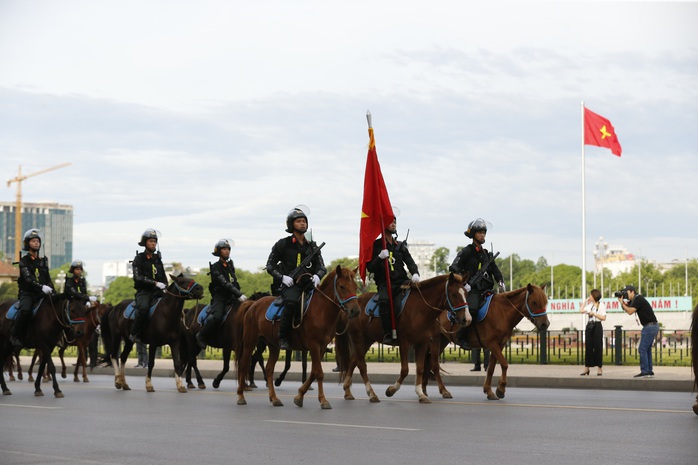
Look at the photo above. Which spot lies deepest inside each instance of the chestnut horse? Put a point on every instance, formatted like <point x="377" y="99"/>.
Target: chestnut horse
<point x="336" y="294"/>
<point x="694" y="353"/>
<point x="164" y="326"/>
<point x="506" y="310"/>
<point x="51" y="321"/>
<point x="416" y="326"/>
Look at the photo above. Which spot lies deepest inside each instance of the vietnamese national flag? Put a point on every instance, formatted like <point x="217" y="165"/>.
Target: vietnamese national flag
<point x="599" y="131"/>
<point x="376" y="211"/>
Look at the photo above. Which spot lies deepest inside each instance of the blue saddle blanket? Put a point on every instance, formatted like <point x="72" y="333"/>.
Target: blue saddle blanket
<point x="373" y="309"/>
<point x="14" y="309"/>
<point x="274" y="311"/>
<point x="203" y="315"/>
<point x="130" y="310"/>
<point x="482" y="312"/>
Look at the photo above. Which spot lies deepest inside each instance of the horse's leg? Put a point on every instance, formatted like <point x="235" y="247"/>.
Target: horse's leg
<point x="52" y="371"/>
<point x="316" y="373"/>
<point x="496" y="356"/>
<point x="199" y="379"/>
<point x="30" y="378"/>
<point x="39" y="375"/>
<point x="226" y="367"/>
<point x="243" y="365"/>
<point x="271" y="362"/>
<point x="435" y="367"/>
<point x="359" y="360"/>
<point x="177" y="362"/>
<point x="287" y="366"/>
<point x="5" y="390"/>
<point x="64" y="369"/>
<point x="78" y="364"/>
<point x="404" y="370"/>
<point x="128" y="345"/>
<point x="19" y="366"/>
<point x="420" y="355"/>
<point x="152" y="349"/>
<point x="695" y="406"/>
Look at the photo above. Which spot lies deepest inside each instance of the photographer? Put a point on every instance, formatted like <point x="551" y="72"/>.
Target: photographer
<point x="638" y="304"/>
<point x="594" y="332"/>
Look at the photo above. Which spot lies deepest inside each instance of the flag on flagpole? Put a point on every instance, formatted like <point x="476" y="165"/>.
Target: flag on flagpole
<point x="376" y="211"/>
<point x="599" y="131"/>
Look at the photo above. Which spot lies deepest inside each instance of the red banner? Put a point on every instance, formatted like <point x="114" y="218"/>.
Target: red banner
<point x="599" y="131"/>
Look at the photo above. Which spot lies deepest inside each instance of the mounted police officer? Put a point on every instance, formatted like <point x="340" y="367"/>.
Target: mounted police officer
<point x="34" y="283"/>
<point x="76" y="286"/>
<point x="149" y="279"/>
<point x="470" y="260"/>
<point x="286" y="255"/>
<point x="398" y="256"/>
<point x="224" y="289"/>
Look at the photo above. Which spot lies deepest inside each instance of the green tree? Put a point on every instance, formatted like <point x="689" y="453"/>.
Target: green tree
<point x="119" y="289"/>
<point x="440" y="260"/>
<point x="8" y="291"/>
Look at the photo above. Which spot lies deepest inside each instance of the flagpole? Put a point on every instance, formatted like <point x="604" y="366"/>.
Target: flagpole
<point x="584" y="224"/>
<point x="387" y="265"/>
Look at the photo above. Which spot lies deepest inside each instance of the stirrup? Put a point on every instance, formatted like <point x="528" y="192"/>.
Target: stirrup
<point x="389" y="341"/>
<point x="200" y="340"/>
<point x="463" y="344"/>
<point x="284" y="345"/>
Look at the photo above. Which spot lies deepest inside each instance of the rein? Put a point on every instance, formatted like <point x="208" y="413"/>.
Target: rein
<point x="530" y="315"/>
<point x="451" y="309"/>
<point x="342" y="302"/>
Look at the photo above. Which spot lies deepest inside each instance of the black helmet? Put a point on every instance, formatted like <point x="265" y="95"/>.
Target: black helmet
<point x="148" y="234"/>
<point x="221" y="244"/>
<point x="475" y="226"/>
<point x="293" y="215"/>
<point x="74" y="265"/>
<point x="29" y="235"/>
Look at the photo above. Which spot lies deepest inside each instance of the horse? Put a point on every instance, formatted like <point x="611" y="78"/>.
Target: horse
<point x="335" y="294"/>
<point x="54" y="317"/>
<point x="694" y="353"/>
<point x="164" y="326"/>
<point x="505" y="311"/>
<point x="11" y="362"/>
<point x="416" y="326"/>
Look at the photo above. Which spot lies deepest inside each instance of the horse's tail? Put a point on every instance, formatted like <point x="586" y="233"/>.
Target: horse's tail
<point x="238" y="334"/>
<point x="106" y="331"/>
<point x="694" y="346"/>
<point x="342" y="351"/>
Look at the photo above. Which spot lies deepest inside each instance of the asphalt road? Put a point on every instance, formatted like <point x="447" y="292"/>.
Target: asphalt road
<point x="96" y="424"/>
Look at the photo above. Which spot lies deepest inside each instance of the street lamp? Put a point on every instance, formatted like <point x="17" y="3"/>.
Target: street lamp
<point x="60" y="281"/>
<point x="600" y="249"/>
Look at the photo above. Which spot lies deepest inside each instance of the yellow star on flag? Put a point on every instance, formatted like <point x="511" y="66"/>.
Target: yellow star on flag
<point x="604" y="132"/>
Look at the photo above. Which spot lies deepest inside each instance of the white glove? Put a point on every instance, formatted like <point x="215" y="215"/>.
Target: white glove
<point x="46" y="289"/>
<point x="160" y="285"/>
<point x="467" y="287"/>
<point x="415" y="278"/>
<point x="88" y="304"/>
<point x="383" y="254"/>
<point x="316" y="280"/>
<point x="242" y="298"/>
<point x="93" y="298"/>
<point x="287" y="281"/>
<point x="502" y="287"/>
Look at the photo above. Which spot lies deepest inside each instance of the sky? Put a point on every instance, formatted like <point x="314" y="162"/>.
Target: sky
<point x="212" y="119"/>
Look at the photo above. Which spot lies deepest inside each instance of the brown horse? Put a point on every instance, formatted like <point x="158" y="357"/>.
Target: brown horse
<point x="416" y="326"/>
<point x="53" y="319"/>
<point x="335" y="294"/>
<point x="506" y="310"/>
<point x="694" y="353"/>
<point x="164" y="326"/>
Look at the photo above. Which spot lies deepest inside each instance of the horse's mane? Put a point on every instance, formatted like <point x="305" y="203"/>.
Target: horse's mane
<point x="431" y="282"/>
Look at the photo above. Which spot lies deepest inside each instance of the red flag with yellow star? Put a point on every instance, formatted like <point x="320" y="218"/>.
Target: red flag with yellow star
<point x="376" y="211"/>
<point x="599" y="131"/>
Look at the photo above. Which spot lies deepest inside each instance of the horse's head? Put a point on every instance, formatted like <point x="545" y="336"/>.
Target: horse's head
<point x="456" y="304"/>
<point x="536" y="305"/>
<point x="75" y="314"/>
<point x="186" y="288"/>
<point x="345" y="290"/>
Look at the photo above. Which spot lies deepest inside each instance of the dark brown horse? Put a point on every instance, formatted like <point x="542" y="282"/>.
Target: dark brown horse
<point x="416" y="326"/>
<point x="163" y="327"/>
<point x="52" y="320"/>
<point x="11" y="363"/>
<point x="506" y="310"/>
<point x="694" y="353"/>
<point x="336" y="294"/>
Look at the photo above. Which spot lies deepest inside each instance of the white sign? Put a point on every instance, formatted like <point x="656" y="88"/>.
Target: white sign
<point x="659" y="304"/>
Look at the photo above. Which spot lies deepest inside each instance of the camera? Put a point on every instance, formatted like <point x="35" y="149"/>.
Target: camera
<point x="623" y="294"/>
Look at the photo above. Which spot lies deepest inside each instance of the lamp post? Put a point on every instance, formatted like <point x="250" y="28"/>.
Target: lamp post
<point x="600" y="248"/>
<point x="60" y="281"/>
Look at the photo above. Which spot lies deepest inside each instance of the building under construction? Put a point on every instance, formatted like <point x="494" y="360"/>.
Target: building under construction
<point x="55" y="222"/>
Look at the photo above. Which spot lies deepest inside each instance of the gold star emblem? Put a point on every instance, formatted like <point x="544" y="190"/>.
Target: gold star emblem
<point x="604" y="132"/>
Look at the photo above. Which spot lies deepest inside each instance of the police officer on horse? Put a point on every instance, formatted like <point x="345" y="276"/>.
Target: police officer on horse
<point x="34" y="283"/>
<point x="149" y="279"/>
<point x="224" y="289"/>
<point x="76" y="286"/>
<point x="285" y="257"/>
<point x="471" y="260"/>
<point x="398" y="256"/>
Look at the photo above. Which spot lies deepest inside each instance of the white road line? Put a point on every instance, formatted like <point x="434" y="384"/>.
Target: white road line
<point x="340" y="425"/>
<point x="31" y="406"/>
<point x="56" y="458"/>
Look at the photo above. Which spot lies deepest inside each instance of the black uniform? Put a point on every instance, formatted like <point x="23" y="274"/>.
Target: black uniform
<point x="76" y="289"/>
<point x="399" y="258"/>
<point x="286" y="255"/>
<point x="147" y="270"/>
<point x="469" y="260"/>
<point x="33" y="275"/>
<point x="224" y="289"/>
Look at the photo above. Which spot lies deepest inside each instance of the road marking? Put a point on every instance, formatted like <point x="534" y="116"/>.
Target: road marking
<point x="567" y="407"/>
<point x="341" y="425"/>
<point x="31" y="406"/>
<point x="55" y="458"/>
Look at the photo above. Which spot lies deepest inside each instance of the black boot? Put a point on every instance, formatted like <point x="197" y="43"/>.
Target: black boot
<point x="201" y="338"/>
<point x="137" y="327"/>
<point x="19" y="329"/>
<point x="387" y="326"/>
<point x="285" y="327"/>
<point x="462" y="339"/>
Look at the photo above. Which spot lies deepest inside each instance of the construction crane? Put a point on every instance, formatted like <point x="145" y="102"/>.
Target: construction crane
<point x="18" y="206"/>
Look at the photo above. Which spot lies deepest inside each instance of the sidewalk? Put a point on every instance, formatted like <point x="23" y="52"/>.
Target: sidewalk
<point x="679" y="379"/>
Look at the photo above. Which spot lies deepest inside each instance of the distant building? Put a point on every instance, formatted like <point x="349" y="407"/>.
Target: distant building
<point x="8" y="273"/>
<point x="55" y="222"/>
<point x="616" y="259"/>
<point x="423" y="254"/>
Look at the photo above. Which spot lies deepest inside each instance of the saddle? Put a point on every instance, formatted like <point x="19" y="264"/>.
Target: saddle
<point x="130" y="310"/>
<point x="204" y="314"/>
<point x="14" y="310"/>
<point x="481" y="312"/>
<point x="373" y="308"/>
<point x="275" y="309"/>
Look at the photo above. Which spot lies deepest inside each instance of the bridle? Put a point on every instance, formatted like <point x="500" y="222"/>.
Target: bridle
<point x="183" y="293"/>
<point x="531" y="314"/>
<point x="451" y="310"/>
<point x="337" y="300"/>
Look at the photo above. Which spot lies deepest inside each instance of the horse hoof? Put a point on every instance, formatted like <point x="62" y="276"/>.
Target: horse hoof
<point x="446" y="395"/>
<point x="7" y="392"/>
<point x="253" y="386"/>
<point x="500" y="394"/>
<point x="76" y="380"/>
<point x="12" y="378"/>
<point x="277" y="382"/>
<point x="59" y="395"/>
<point x="117" y="385"/>
<point x="325" y="406"/>
<point x="492" y="397"/>
<point x="30" y="379"/>
<point x="85" y="380"/>
<point x="374" y="399"/>
<point x="424" y="400"/>
<point x="695" y="407"/>
<point x="242" y="402"/>
<point x="20" y="377"/>
<point x="152" y="389"/>
<point x="278" y="403"/>
<point x="390" y="391"/>
<point x="202" y="386"/>
<point x="298" y="401"/>
<point x="38" y="394"/>
<point x="63" y="375"/>
<point x="181" y="389"/>
<point x="349" y="397"/>
<point x="248" y="388"/>
<point x="125" y="387"/>
<point x="190" y="385"/>
<point x="216" y="383"/>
